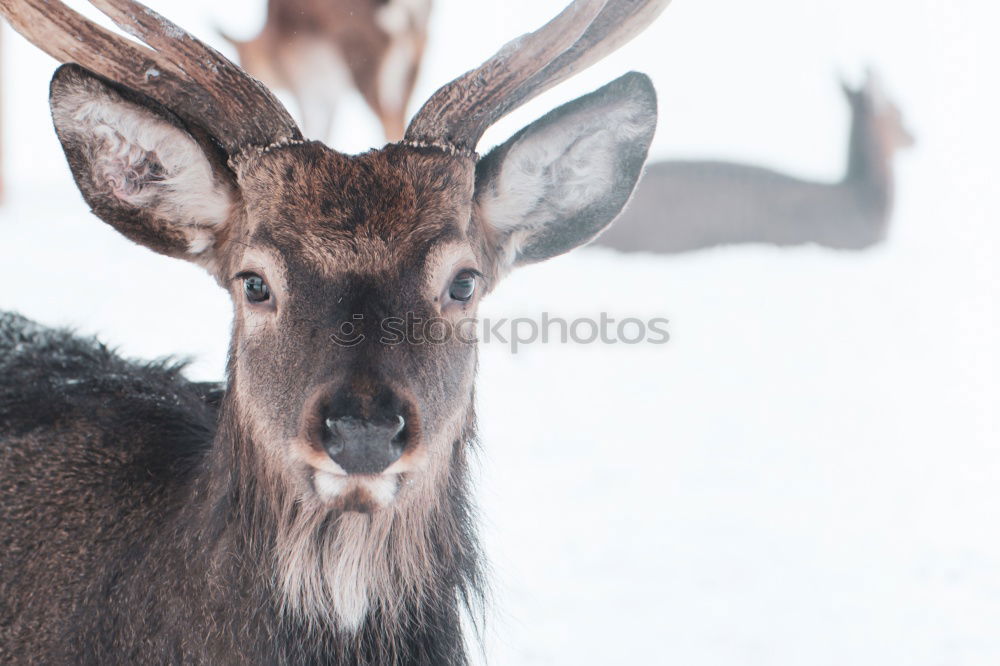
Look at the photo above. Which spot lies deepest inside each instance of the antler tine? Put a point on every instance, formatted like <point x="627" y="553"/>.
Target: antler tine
<point x="188" y="77"/>
<point x="62" y="33"/>
<point x="210" y="70"/>
<point x="456" y="116"/>
<point x="459" y="112"/>
<point x="617" y="24"/>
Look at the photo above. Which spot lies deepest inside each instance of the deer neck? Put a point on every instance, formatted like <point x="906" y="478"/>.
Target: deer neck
<point x="869" y="164"/>
<point x="344" y="585"/>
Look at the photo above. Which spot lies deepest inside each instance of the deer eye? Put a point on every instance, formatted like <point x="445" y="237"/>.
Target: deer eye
<point x="255" y="288"/>
<point x="463" y="286"/>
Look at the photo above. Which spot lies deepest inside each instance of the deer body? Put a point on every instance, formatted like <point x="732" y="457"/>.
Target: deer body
<point x="688" y="205"/>
<point x="318" y="49"/>
<point x="142" y="538"/>
<point x="315" y="510"/>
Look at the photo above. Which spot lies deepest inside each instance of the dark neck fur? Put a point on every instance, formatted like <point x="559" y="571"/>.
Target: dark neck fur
<point x="222" y="604"/>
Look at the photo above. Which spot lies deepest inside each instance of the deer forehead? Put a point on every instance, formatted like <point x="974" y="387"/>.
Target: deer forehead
<point x="354" y="214"/>
<point x="396" y="179"/>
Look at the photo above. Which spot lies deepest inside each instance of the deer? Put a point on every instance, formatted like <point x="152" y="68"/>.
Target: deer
<point x="319" y="49"/>
<point x="680" y="206"/>
<point x="315" y="508"/>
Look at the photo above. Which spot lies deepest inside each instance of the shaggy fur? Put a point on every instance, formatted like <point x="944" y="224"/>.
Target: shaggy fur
<point x="143" y="535"/>
<point x="158" y="521"/>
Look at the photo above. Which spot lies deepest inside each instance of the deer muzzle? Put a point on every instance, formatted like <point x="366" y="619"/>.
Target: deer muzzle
<point x="364" y="426"/>
<point x="364" y="446"/>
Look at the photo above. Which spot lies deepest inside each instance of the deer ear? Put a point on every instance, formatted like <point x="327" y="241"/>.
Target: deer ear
<point x="558" y="182"/>
<point x="138" y="168"/>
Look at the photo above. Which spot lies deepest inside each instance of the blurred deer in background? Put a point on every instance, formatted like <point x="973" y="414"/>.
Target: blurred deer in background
<point x="320" y="49"/>
<point x="680" y="206"/>
<point x="315" y="509"/>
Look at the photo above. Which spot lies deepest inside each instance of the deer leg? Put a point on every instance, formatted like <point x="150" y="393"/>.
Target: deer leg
<point x="318" y="76"/>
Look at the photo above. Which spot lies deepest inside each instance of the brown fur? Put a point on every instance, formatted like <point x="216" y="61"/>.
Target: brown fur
<point x="215" y="531"/>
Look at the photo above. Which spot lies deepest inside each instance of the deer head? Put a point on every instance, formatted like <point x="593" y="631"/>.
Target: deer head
<point x="883" y="116"/>
<point x="179" y="150"/>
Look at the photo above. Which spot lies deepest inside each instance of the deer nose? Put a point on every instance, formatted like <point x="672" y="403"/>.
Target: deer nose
<point x="362" y="446"/>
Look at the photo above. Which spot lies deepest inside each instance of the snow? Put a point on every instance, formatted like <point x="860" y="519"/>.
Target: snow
<point x="806" y="474"/>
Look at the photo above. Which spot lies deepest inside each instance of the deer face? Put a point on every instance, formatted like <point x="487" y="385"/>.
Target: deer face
<point x="335" y="259"/>
<point x="335" y="262"/>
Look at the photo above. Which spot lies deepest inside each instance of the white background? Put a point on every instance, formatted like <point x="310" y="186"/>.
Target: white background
<point x="806" y="474"/>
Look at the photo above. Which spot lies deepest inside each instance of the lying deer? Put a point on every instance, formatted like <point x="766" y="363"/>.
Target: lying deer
<point x="681" y="206"/>
<point x="317" y="509"/>
<point x="318" y="49"/>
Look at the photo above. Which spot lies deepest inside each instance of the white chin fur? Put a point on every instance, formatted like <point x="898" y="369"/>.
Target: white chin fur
<point x="382" y="488"/>
<point x="329" y="486"/>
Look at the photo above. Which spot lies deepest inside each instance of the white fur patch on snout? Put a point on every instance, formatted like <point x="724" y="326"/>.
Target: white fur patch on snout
<point x="381" y="489"/>
<point x="329" y="486"/>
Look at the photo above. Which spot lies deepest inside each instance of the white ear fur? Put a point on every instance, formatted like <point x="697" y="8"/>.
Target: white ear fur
<point x="555" y="174"/>
<point x="142" y="160"/>
<point x="561" y="180"/>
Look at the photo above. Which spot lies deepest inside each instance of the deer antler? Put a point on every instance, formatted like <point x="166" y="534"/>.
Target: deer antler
<point x="455" y="117"/>
<point x="180" y="72"/>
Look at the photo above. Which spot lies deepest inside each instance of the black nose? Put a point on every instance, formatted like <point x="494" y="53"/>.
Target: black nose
<point x="364" y="447"/>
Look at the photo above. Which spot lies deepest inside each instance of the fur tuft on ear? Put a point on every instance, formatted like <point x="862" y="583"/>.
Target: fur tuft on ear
<point x="138" y="168"/>
<point x="558" y="182"/>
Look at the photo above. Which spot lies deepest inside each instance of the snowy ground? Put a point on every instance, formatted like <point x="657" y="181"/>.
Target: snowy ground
<point x="806" y="474"/>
